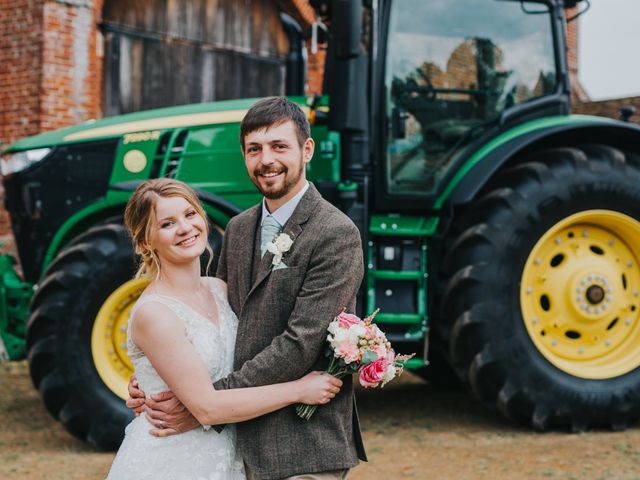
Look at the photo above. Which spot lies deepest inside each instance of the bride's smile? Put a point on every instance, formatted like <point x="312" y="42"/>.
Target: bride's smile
<point x="179" y="233"/>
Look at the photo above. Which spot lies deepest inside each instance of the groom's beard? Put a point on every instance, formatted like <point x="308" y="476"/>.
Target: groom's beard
<point x="274" y="192"/>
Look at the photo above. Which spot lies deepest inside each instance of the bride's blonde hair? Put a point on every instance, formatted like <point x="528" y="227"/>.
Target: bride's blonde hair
<point x="140" y="218"/>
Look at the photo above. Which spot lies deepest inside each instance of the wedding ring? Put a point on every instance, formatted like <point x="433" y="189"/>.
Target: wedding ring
<point x="161" y="424"/>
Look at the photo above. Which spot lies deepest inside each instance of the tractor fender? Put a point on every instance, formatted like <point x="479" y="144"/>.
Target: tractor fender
<point x="509" y="147"/>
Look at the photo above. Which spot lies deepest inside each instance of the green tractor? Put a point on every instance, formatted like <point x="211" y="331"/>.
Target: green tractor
<point x="501" y="233"/>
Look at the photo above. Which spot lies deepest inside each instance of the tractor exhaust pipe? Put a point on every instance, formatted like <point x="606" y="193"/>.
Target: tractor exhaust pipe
<point x="348" y="105"/>
<point x="296" y="59"/>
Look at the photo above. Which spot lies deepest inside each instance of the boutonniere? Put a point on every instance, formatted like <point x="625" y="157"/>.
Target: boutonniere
<point x="279" y="247"/>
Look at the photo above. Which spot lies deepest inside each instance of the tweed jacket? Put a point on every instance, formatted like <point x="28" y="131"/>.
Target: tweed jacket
<point x="283" y="318"/>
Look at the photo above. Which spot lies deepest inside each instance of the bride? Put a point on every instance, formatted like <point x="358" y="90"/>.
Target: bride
<point x="181" y="338"/>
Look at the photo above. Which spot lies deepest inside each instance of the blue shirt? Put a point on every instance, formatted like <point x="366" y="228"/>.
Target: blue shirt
<point x="282" y="214"/>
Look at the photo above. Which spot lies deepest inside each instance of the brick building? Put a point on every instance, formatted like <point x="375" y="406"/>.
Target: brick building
<point x="52" y="52"/>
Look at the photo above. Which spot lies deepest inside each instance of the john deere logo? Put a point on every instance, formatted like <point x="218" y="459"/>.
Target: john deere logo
<point x="135" y="161"/>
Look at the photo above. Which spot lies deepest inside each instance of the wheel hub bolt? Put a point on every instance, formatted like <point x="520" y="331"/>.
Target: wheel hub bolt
<point x="595" y="294"/>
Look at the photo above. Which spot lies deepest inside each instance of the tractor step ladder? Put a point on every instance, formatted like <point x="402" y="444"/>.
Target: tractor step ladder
<point x="397" y="274"/>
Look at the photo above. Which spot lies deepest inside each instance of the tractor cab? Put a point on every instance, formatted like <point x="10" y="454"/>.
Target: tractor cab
<point x="427" y="83"/>
<point x="453" y="72"/>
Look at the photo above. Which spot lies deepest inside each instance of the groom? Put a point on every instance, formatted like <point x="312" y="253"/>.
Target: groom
<point x="284" y="310"/>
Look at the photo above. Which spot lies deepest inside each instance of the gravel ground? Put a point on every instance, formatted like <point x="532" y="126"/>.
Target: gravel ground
<point x="411" y="430"/>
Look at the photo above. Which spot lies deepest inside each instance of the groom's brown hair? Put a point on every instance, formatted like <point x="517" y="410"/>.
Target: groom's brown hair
<point x="272" y="112"/>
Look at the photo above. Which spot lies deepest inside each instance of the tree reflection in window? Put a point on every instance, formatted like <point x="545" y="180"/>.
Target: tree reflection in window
<point x="447" y="85"/>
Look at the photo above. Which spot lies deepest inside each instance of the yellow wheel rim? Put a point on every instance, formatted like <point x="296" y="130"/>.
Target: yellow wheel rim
<point x="109" y="337"/>
<point x="579" y="294"/>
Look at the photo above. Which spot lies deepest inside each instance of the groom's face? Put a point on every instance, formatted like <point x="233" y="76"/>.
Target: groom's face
<point x="275" y="160"/>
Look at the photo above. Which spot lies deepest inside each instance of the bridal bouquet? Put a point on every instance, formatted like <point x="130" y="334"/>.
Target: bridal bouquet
<point x="359" y="346"/>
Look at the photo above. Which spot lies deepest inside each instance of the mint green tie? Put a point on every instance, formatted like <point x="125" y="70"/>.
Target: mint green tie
<point x="268" y="232"/>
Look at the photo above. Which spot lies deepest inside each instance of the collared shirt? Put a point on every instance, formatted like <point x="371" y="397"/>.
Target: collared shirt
<point x="282" y="214"/>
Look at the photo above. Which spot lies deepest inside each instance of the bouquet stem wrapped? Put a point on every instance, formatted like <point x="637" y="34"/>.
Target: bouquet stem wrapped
<point x="359" y="346"/>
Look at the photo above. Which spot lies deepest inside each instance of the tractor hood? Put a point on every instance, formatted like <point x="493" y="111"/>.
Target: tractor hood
<point x="228" y="111"/>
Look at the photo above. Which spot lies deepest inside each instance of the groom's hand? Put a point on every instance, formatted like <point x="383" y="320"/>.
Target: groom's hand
<point x="169" y="415"/>
<point x="136" y="396"/>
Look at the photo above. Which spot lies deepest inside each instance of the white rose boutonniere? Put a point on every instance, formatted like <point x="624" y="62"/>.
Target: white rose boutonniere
<point x="279" y="247"/>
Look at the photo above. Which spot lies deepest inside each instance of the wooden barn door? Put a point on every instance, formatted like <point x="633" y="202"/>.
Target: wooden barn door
<point x="172" y="52"/>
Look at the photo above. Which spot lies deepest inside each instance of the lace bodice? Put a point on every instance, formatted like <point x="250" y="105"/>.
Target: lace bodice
<point x="214" y="343"/>
<point x="196" y="454"/>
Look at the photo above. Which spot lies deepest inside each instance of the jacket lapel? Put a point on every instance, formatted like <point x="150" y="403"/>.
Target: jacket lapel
<point x="293" y="228"/>
<point x="245" y="250"/>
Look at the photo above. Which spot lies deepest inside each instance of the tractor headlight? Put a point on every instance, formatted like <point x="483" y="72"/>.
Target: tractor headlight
<point x="14" y="162"/>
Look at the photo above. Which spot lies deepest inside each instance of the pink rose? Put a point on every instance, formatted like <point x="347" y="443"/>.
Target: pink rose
<point x="373" y="373"/>
<point x="347" y="351"/>
<point x="345" y="320"/>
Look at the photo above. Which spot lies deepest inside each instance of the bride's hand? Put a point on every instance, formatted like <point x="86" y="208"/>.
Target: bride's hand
<point x="317" y="388"/>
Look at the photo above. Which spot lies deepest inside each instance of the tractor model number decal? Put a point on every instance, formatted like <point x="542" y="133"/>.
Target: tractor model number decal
<point x="141" y="136"/>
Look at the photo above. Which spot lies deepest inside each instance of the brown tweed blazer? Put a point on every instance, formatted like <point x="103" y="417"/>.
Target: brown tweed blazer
<point x="283" y="319"/>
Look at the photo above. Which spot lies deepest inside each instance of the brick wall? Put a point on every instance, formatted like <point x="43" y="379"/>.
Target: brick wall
<point x="71" y="84"/>
<point x="53" y="65"/>
<point x="609" y="108"/>
<point x="20" y="68"/>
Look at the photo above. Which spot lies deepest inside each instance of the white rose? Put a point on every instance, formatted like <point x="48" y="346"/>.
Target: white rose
<point x="340" y="336"/>
<point x="389" y="375"/>
<point x="333" y="327"/>
<point x="355" y="332"/>
<point x="283" y="242"/>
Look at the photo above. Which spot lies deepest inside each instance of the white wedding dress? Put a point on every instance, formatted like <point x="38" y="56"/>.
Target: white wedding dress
<point x="197" y="454"/>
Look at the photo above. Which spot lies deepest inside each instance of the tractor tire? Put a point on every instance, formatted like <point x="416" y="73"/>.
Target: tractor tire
<point x="76" y="334"/>
<point x="542" y="290"/>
